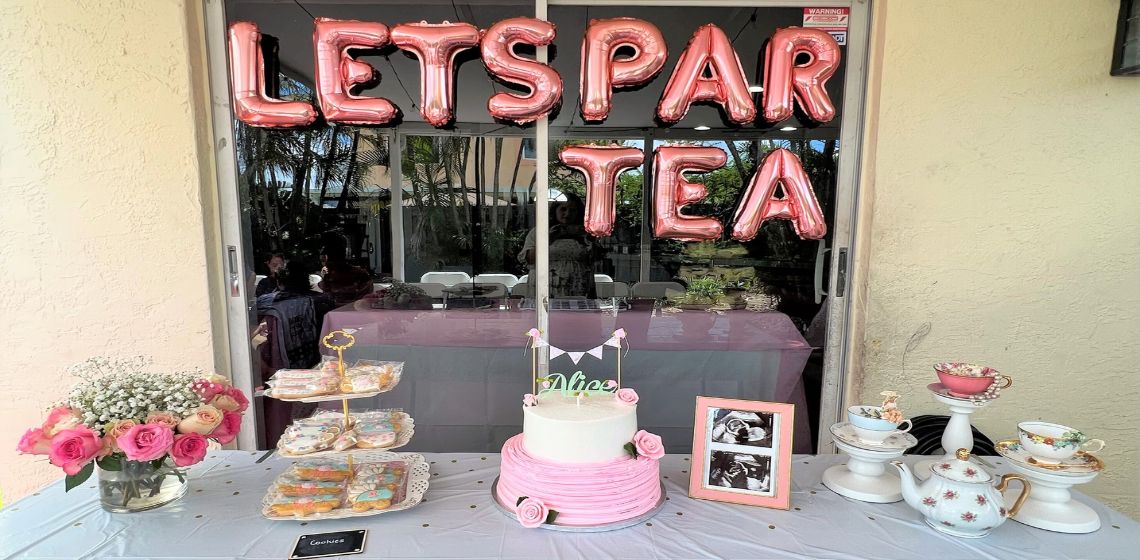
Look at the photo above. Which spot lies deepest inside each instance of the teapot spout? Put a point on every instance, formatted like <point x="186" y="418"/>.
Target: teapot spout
<point x="909" y="488"/>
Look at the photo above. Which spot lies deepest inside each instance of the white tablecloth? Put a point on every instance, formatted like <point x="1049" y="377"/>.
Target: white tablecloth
<point x="220" y="518"/>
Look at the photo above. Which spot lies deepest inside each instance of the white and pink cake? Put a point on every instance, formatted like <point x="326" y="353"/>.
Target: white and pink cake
<point x="580" y="462"/>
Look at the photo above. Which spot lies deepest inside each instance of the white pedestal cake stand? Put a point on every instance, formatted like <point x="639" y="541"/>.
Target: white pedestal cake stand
<point x="865" y="476"/>
<point x="958" y="434"/>
<point x="1051" y="505"/>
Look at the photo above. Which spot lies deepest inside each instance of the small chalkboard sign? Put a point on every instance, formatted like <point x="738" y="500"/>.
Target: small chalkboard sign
<point x="329" y="544"/>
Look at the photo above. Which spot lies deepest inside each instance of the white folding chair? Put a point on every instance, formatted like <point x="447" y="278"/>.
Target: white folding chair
<point x="434" y="290"/>
<point x="508" y="280"/>
<point x="599" y="278"/>
<point x="445" y="278"/>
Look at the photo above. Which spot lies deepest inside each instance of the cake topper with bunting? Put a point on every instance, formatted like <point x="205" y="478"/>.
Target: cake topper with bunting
<point x="576" y="384"/>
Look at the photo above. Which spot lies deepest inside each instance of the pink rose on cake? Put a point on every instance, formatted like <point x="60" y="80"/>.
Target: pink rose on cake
<point x="529" y="400"/>
<point x="73" y="448"/>
<point x="531" y="512"/>
<point x="146" y="442"/>
<point x="188" y="449"/>
<point x="202" y="421"/>
<point x="648" y="445"/>
<point x="626" y="396"/>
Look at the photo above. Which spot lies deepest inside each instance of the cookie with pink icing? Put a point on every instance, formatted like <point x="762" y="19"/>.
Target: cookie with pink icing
<point x="323" y="470"/>
<point x="292" y="486"/>
<point x="379" y="498"/>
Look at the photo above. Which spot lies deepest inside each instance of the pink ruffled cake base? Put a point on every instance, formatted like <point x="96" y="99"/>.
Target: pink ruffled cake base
<point x="582" y="494"/>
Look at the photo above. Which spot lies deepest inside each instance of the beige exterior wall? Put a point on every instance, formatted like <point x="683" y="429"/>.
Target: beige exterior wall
<point x="1003" y="171"/>
<point x="102" y="223"/>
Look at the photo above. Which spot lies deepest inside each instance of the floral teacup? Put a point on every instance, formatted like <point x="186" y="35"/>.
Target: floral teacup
<point x="1053" y="443"/>
<point x="873" y="425"/>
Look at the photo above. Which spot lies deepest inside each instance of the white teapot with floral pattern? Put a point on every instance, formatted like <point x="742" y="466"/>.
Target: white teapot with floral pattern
<point x="960" y="498"/>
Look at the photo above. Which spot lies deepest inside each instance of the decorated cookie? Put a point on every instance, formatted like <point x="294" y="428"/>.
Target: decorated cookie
<point x="302" y="440"/>
<point x="347" y="440"/>
<point x="294" y="486"/>
<point x="380" y="498"/>
<point x="375" y="439"/>
<point x="301" y="506"/>
<point x="322" y="471"/>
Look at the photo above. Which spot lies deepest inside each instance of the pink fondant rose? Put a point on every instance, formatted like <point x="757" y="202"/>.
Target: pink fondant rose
<point x="34" y="442"/>
<point x="228" y="429"/>
<point x="627" y="395"/>
<point x="531" y="513"/>
<point x="188" y="449"/>
<point x="146" y="442"/>
<point x="202" y="421"/>
<point x="162" y="419"/>
<point x="648" y="445"/>
<point x="73" y="448"/>
<point x="529" y="400"/>
<point x="610" y="384"/>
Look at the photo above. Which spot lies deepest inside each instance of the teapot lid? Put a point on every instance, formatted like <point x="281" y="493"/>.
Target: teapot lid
<point x="961" y="468"/>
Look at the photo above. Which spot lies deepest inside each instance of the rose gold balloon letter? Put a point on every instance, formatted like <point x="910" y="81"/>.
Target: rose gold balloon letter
<point x="498" y="52"/>
<point x="252" y="105"/>
<point x="799" y="204"/>
<point x="337" y="72"/>
<point x="782" y="77"/>
<point x="601" y="73"/>
<point x="436" y="46"/>
<point x="708" y="49"/>
<point x="672" y="192"/>
<point x="601" y="166"/>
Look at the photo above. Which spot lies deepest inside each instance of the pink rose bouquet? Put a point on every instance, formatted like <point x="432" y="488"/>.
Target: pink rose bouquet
<point x="122" y="414"/>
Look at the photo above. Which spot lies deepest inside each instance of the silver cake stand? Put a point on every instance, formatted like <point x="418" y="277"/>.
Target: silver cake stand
<point x="510" y="512"/>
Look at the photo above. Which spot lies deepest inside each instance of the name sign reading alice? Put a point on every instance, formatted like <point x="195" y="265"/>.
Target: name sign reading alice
<point x="329" y="544"/>
<point x="708" y="71"/>
<point x="576" y="385"/>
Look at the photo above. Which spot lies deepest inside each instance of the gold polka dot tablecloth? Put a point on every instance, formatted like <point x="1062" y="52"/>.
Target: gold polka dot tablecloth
<point x="220" y="517"/>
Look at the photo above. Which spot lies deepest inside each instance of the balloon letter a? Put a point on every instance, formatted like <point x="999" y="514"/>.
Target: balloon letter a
<point x="709" y="48"/>
<point x="337" y="72"/>
<point x="798" y="205"/>
<point x="671" y="192"/>
<point x="252" y="105"/>
<point x="601" y="165"/>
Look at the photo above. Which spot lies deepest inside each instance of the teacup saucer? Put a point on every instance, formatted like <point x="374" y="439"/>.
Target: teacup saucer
<point x="1081" y="463"/>
<point x="941" y="390"/>
<point x="895" y="442"/>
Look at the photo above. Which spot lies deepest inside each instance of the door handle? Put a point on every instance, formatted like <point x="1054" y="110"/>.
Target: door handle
<point x="235" y="278"/>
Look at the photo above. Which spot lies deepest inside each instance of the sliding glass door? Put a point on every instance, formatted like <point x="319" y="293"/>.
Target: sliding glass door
<point x="441" y="246"/>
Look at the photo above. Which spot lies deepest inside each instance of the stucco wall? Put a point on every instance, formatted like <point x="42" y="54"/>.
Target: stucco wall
<point x="1003" y="178"/>
<point x="101" y="215"/>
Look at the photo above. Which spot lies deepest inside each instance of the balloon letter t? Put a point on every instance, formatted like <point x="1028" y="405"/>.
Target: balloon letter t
<point x="601" y="165"/>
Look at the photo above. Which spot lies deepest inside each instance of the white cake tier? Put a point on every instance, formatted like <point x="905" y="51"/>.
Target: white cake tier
<point x="561" y="430"/>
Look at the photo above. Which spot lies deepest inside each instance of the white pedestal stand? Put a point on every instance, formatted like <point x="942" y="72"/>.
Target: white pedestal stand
<point x="1051" y="505"/>
<point x="865" y="476"/>
<point x="958" y="433"/>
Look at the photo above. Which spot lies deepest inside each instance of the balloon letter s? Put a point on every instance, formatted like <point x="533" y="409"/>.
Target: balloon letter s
<point x="498" y="52"/>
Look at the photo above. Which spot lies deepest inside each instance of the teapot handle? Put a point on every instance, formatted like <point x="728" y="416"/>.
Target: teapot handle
<point x="1025" y="488"/>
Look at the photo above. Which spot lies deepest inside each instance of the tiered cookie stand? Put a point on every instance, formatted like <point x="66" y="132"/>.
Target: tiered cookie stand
<point x="417" y="472"/>
<point x="958" y="433"/>
<point x="865" y="476"/>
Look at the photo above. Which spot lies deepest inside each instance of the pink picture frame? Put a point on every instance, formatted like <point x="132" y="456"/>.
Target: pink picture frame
<point x="742" y="452"/>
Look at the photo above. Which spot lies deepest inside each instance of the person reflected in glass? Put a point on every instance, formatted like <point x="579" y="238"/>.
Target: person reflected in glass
<point x="272" y="281"/>
<point x="343" y="281"/>
<point x="572" y="251"/>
